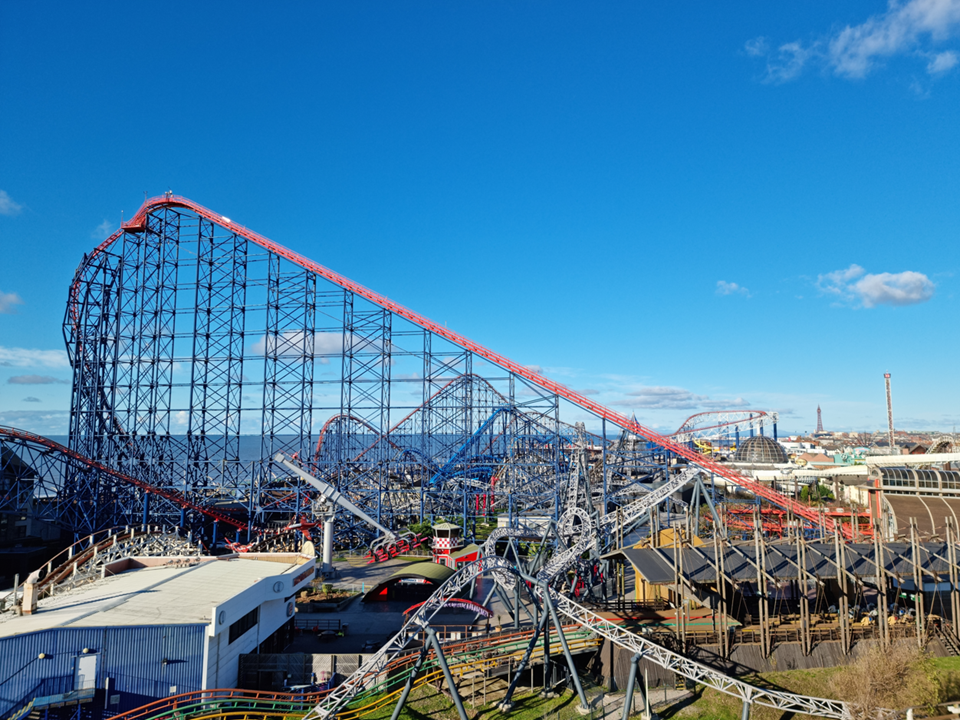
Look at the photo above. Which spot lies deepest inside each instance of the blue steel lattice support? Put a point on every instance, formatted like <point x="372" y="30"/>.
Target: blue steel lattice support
<point x="213" y="430"/>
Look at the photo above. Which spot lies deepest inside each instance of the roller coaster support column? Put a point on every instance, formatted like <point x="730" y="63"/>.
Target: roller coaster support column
<point x="328" y="541"/>
<point x="632" y="686"/>
<point x="745" y="715"/>
<point x="506" y="705"/>
<point x="432" y="637"/>
<point x="631" y="681"/>
<point x="410" y="680"/>
<point x="571" y="665"/>
<point x="547" y="666"/>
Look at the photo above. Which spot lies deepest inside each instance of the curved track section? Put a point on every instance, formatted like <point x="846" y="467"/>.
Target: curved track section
<point x="37" y="466"/>
<point x="83" y="562"/>
<point x="337" y="699"/>
<point x="139" y="224"/>
<point x="699" y="673"/>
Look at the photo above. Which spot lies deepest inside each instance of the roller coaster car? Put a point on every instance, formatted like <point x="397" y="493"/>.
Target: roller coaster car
<point x="385" y="548"/>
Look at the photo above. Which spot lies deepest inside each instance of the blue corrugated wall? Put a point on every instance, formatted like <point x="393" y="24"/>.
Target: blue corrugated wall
<point x="132" y="657"/>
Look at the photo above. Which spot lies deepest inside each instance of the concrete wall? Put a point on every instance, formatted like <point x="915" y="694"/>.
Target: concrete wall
<point x="275" y="598"/>
<point x="268" y="671"/>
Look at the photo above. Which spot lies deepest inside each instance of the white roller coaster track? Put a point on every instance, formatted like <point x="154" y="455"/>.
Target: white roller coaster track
<point x="698" y="672"/>
<point x="504" y="572"/>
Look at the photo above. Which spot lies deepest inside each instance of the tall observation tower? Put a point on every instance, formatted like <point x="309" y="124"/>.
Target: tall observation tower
<point x="819" y="420"/>
<point x="886" y="380"/>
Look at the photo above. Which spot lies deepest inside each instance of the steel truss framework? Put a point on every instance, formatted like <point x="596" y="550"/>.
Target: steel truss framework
<point x="187" y="333"/>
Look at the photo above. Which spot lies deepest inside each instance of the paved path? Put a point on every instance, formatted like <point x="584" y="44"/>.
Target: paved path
<point x="370" y="624"/>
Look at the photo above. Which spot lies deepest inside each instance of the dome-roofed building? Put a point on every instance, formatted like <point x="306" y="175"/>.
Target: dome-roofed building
<point x="760" y="449"/>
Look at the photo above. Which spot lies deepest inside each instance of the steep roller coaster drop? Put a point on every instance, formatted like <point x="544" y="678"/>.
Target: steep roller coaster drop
<point x="174" y="319"/>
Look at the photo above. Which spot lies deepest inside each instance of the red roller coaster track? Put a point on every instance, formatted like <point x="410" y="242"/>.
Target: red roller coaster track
<point x="138" y="224"/>
<point x="170" y="495"/>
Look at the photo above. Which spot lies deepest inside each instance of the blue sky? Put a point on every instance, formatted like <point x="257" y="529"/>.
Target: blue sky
<point x="679" y="208"/>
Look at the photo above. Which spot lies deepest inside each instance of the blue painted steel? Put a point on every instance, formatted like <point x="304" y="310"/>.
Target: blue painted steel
<point x="132" y="657"/>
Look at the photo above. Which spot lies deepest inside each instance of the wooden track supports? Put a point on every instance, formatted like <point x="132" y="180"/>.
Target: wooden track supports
<point x="843" y="602"/>
<point x="917" y="582"/>
<point x="883" y="602"/>
<point x="763" y="595"/>
<point x="954" y="579"/>
<point x="806" y="641"/>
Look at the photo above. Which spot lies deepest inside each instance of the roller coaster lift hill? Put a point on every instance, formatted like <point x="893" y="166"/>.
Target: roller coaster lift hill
<point x="183" y="323"/>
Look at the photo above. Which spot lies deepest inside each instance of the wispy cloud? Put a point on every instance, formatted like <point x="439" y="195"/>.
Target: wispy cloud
<point x="731" y="288"/>
<point x="35" y="380"/>
<point x="855" y="285"/>
<point x="7" y="303"/>
<point x="7" y="205"/>
<point x="24" y="357"/>
<point x="942" y="62"/>
<point x="103" y="230"/>
<point x="906" y="28"/>
<point x="674" y="398"/>
<point x="43" y="422"/>
<point x="31" y="399"/>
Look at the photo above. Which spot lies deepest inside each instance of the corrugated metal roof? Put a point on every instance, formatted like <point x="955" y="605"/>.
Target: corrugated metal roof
<point x="148" y="596"/>
<point x="656" y="565"/>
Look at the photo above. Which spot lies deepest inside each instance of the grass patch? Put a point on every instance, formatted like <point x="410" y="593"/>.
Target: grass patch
<point x="428" y="703"/>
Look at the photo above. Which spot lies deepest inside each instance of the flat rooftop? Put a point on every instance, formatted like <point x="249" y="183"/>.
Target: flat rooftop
<point x="162" y="595"/>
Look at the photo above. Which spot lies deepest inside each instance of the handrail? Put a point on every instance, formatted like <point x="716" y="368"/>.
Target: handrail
<point x="201" y="698"/>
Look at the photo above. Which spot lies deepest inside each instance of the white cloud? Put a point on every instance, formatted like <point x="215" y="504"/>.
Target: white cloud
<point x="838" y="281"/>
<point x="31" y="399"/>
<point x="909" y="28"/>
<point x="7" y="301"/>
<point x="731" y="288"/>
<point x="23" y="357"/>
<point x="297" y="344"/>
<point x="789" y="61"/>
<point x="103" y="230"/>
<point x="756" y="47"/>
<point x="905" y="288"/>
<point x="7" y="205"/>
<point x="674" y="398"/>
<point x="42" y="422"/>
<point x="942" y="62"/>
<point x="855" y="285"/>
<point x="35" y="380"/>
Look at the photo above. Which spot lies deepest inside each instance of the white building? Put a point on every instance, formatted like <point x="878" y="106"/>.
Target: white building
<point x="151" y="627"/>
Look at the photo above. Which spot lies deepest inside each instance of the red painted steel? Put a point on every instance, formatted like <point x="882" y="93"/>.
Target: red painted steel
<point x="171" y="495"/>
<point x="137" y="223"/>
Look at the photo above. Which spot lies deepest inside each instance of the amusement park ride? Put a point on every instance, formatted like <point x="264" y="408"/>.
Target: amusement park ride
<point x="188" y="333"/>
